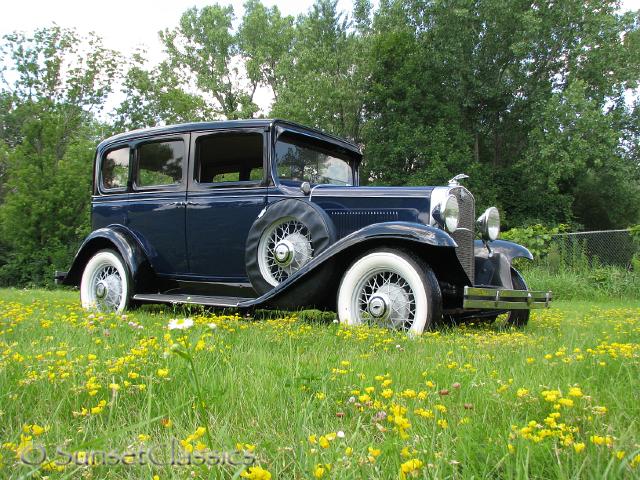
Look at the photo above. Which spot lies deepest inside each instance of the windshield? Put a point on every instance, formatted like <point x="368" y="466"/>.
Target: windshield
<point x="304" y="161"/>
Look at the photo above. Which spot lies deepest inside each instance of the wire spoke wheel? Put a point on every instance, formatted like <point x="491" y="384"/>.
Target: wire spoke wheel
<point x="105" y="286"/>
<point x="385" y="298"/>
<point x="285" y="247"/>
<point x="390" y="288"/>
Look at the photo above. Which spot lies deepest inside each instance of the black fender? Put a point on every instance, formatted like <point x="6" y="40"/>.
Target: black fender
<point x="121" y="239"/>
<point x="509" y="249"/>
<point x="493" y="264"/>
<point x="415" y="237"/>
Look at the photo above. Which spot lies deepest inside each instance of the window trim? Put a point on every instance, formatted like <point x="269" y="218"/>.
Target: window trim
<point x="350" y="159"/>
<point x="194" y="185"/>
<point x="328" y="146"/>
<point x="101" y="187"/>
<point x="172" y="187"/>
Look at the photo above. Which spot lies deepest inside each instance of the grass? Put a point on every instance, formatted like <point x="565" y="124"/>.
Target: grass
<point x="556" y="400"/>
<point x="598" y="283"/>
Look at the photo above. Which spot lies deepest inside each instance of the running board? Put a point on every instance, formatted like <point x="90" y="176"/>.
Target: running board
<point x="194" y="299"/>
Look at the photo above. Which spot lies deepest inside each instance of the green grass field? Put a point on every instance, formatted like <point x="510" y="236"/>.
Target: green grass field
<point x="559" y="399"/>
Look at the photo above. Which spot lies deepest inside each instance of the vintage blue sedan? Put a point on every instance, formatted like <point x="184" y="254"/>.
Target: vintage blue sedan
<point x="268" y="213"/>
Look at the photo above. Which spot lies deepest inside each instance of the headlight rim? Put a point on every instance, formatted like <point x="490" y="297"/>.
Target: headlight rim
<point x="447" y="213"/>
<point x="487" y="231"/>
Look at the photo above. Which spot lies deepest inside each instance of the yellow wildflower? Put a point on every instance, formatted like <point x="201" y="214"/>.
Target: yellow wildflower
<point x="410" y="467"/>
<point x="256" y="473"/>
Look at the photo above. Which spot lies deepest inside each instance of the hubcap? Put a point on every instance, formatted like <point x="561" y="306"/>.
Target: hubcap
<point x="101" y="289"/>
<point x="378" y="306"/>
<point x="284" y="253"/>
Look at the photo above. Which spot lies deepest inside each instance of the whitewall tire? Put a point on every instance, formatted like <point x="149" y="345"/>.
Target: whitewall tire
<point x="391" y="288"/>
<point x="106" y="283"/>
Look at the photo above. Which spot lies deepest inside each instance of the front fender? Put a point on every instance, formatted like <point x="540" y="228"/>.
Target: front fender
<point x="336" y="257"/>
<point x="508" y="249"/>
<point x="493" y="264"/>
<point x="116" y="237"/>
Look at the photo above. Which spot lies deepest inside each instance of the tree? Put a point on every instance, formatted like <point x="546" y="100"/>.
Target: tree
<point x="325" y="72"/>
<point x="212" y="69"/>
<point x="474" y="79"/>
<point x="55" y="84"/>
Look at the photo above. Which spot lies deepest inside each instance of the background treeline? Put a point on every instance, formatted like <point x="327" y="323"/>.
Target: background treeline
<point x="531" y="99"/>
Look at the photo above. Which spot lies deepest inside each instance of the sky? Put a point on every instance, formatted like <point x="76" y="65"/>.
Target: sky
<point x="126" y="25"/>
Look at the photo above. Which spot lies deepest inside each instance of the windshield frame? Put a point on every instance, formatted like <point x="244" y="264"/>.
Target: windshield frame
<point x="350" y="155"/>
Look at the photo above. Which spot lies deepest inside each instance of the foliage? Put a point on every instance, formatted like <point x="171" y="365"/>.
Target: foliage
<point x="49" y="129"/>
<point x="324" y="70"/>
<point x="211" y="70"/>
<point x="537" y="238"/>
<point x="533" y="102"/>
<point x="517" y="96"/>
<point x="635" y="235"/>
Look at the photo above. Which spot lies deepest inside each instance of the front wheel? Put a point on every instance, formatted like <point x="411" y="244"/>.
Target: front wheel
<point x="105" y="284"/>
<point x="391" y="288"/>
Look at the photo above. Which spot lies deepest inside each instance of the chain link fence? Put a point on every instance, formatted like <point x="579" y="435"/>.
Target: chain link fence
<point x="589" y="249"/>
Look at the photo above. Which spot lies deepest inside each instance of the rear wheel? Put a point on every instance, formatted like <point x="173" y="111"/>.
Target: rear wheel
<point x="390" y="288"/>
<point x="105" y="284"/>
<point x="518" y="318"/>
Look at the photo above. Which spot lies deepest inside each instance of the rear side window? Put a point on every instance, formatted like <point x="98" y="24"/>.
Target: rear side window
<point x="229" y="157"/>
<point x="160" y="163"/>
<point x="115" y="169"/>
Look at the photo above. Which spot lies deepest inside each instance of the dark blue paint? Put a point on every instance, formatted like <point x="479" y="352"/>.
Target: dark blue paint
<point x="157" y="219"/>
<point x="218" y="222"/>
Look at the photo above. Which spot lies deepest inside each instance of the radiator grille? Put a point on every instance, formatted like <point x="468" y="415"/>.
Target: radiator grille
<point x="464" y="235"/>
<point x="348" y="221"/>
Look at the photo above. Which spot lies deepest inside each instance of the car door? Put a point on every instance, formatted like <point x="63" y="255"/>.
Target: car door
<point x="156" y="210"/>
<point x="227" y="190"/>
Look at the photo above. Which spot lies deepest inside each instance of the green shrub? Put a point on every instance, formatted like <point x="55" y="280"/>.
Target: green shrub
<point x="536" y="238"/>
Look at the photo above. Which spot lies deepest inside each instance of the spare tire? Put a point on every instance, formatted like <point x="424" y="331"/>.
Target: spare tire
<point x="283" y="239"/>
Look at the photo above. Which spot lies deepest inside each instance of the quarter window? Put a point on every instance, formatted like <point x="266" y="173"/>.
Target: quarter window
<point x="115" y="169"/>
<point x="229" y="157"/>
<point x="160" y="163"/>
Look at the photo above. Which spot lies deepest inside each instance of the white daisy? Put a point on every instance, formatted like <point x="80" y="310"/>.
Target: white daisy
<point x="180" y="323"/>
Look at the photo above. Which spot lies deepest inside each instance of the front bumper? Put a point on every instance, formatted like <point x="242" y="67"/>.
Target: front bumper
<point x="492" y="298"/>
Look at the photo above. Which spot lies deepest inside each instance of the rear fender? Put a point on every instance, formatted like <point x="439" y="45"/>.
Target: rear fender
<point x="121" y="239"/>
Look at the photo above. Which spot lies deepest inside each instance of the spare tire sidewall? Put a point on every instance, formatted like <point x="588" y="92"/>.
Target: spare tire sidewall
<point x="318" y="223"/>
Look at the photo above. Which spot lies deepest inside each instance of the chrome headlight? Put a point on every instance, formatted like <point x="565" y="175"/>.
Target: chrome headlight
<point x="489" y="224"/>
<point x="447" y="213"/>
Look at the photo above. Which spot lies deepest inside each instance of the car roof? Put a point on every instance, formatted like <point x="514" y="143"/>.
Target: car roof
<point x="227" y="124"/>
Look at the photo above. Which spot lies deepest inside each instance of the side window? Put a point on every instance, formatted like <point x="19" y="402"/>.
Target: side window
<point x="115" y="169"/>
<point x="160" y="163"/>
<point x="229" y="157"/>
